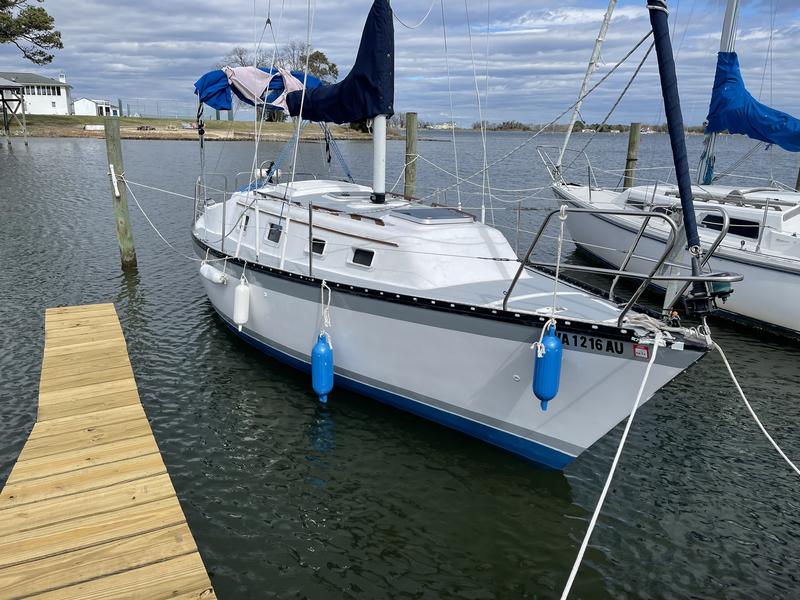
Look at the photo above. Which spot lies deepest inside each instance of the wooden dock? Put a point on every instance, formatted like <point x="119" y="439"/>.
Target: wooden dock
<point x="89" y="510"/>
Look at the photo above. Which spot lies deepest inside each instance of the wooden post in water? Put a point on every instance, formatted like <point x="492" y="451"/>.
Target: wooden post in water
<point x="633" y="151"/>
<point x="797" y="183"/>
<point x="410" y="178"/>
<point x="230" y="115"/>
<point x="119" y="193"/>
<point x="119" y="107"/>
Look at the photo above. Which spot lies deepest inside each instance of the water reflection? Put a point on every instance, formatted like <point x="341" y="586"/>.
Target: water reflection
<point x="355" y="499"/>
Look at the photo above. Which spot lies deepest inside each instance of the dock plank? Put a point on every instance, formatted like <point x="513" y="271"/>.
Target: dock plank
<point x="80" y="566"/>
<point x="89" y="510"/>
<point x="180" y="578"/>
<point x="83" y="504"/>
<point x="75" y="460"/>
<point x="83" y="438"/>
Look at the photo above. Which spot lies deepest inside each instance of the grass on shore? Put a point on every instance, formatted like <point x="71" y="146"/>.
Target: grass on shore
<point x="73" y="126"/>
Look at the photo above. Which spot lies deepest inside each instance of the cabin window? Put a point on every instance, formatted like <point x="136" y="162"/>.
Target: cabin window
<point x="318" y="246"/>
<point x="363" y="257"/>
<point x="740" y="227"/>
<point x="274" y="233"/>
<point x="245" y="223"/>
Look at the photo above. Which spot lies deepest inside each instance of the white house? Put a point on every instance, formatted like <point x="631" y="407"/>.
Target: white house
<point x="43" y="96"/>
<point x="100" y="108"/>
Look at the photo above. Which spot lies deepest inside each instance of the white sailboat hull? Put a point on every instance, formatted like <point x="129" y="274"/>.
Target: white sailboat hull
<point x="467" y="372"/>
<point x="768" y="296"/>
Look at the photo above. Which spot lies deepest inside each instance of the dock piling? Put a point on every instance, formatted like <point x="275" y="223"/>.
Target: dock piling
<point x="633" y="151"/>
<point x="410" y="178"/>
<point x="119" y="195"/>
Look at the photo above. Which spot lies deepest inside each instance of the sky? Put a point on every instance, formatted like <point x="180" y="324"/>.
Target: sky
<point x="533" y="53"/>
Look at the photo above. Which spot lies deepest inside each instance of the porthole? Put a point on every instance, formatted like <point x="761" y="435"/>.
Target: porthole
<point x="363" y="257"/>
<point x="318" y="246"/>
<point x="274" y="233"/>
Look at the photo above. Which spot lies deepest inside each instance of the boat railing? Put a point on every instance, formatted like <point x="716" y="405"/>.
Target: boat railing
<point x="646" y="278"/>
<point x="246" y="181"/>
<point x="669" y="302"/>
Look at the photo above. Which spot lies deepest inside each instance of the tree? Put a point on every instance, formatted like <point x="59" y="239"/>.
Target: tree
<point x="29" y="28"/>
<point x="293" y="57"/>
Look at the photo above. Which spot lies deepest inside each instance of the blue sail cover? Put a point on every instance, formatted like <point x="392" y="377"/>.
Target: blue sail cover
<point x="214" y="90"/>
<point x="368" y="89"/>
<point x="735" y="110"/>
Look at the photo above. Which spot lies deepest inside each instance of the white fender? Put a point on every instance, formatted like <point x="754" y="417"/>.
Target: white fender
<point x="213" y="274"/>
<point x="241" y="303"/>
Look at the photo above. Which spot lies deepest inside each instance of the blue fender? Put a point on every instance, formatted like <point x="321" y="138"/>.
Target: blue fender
<point x="547" y="368"/>
<point x="322" y="368"/>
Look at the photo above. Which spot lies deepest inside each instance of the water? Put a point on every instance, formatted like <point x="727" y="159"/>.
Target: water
<point x="290" y="499"/>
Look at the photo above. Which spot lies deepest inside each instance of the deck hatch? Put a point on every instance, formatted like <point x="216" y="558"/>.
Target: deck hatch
<point x="436" y="215"/>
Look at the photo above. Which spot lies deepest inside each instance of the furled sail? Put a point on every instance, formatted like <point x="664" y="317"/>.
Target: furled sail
<point x="368" y="89"/>
<point x="733" y="109"/>
<point x="251" y="85"/>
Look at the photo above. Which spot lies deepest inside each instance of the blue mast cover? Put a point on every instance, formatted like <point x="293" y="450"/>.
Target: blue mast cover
<point x="672" y="109"/>
<point x="368" y="89"/>
<point x="735" y="110"/>
<point x="214" y="90"/>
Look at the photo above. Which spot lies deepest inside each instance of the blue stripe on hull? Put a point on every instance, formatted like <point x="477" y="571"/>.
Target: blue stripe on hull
<point x="538" y="453"/>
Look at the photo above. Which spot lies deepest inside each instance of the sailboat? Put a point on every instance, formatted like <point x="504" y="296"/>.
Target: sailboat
<point x="749" y="229"/>
<point x="423" y="308"/>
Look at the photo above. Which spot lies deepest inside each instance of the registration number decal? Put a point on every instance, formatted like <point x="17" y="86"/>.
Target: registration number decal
<point x="592" y="343"/>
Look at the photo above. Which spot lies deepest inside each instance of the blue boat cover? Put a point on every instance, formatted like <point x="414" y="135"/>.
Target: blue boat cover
<point x="368" y="89"/>
<point x="735" y="110"/>
<point x="214" y="90"/>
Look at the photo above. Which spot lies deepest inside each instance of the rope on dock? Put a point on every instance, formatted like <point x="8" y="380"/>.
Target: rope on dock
<point x="601" y="500"/>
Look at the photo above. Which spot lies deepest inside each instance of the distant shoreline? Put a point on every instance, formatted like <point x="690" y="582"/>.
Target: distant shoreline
<point x="135" y="128"/>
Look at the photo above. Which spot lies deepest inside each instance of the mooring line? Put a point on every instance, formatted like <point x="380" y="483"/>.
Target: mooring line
<point x="599" y="507"/>
<point x="753" y="413"/>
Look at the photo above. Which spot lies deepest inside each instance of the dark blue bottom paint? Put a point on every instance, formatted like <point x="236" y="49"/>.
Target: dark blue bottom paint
<point x="528" y="449"/>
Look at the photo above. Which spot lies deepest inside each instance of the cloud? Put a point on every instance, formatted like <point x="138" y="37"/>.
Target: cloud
<point x="537" y="51"/>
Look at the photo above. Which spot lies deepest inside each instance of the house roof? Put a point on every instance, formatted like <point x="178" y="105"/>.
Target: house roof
<point x="31" y="79"/>
<point x="7" y="84"/>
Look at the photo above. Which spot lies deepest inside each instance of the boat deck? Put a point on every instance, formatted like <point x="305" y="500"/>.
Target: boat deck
<point x="89" y="510"/>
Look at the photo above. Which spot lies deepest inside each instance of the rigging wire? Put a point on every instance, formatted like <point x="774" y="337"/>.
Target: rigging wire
<point x="425" y="18"/>
<point x="544" y="127"/>
<point x="614" y="106"/>
<point x="480" y="115"/>
<point x="486" y="97"/>
<point x="310" y="27"/>
<point x="450" y="95"/>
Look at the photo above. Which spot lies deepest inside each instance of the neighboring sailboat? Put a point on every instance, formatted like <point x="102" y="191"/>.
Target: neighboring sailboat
<point x="427" y="309"/>
<point x="752" y="230"/>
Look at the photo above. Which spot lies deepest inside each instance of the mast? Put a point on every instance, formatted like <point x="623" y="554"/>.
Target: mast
<point x="699" y="301"/>
<point x="379" y="159"/>
<point x="590" y="68"/>
<point x="705" y="174"/>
